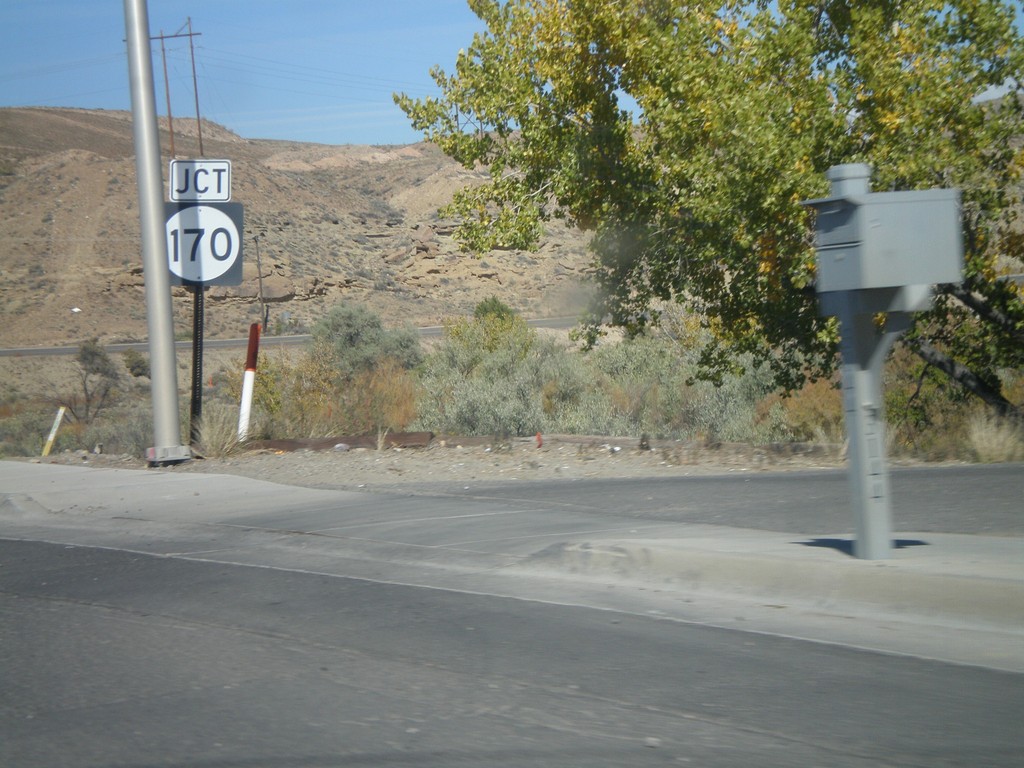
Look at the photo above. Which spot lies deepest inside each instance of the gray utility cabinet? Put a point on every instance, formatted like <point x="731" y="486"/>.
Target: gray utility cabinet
<point x="878" y="253"/>
<point x="888" y="239"/>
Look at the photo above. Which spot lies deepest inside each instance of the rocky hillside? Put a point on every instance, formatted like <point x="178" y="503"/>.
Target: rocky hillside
<point x="335" y="223"/>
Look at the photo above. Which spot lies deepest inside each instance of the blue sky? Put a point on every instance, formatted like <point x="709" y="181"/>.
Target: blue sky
<point x="305" y="70"/>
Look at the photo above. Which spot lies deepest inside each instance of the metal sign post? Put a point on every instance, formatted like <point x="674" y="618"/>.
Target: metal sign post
<point x="204" y="247"/>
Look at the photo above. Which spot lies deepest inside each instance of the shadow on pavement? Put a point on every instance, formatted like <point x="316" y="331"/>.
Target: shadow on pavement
<point x="846" y="545"/>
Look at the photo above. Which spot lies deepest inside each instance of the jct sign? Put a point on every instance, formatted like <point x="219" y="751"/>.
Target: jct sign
<point x="204" y="243"/>
<point x="200" y="181"/>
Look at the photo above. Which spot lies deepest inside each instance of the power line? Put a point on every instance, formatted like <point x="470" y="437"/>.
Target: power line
<point x="300" y="72"/>
<point x="56" y="69"/>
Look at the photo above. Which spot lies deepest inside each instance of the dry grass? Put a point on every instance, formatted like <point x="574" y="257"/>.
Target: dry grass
<point x="218" y="431"/>
<point x="993" y="439"/>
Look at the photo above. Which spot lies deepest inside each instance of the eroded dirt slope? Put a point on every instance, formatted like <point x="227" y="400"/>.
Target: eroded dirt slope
<point x="334" y="223"/>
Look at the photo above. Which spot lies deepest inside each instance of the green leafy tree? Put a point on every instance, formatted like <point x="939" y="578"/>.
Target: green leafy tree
<point x="686" y="135"/>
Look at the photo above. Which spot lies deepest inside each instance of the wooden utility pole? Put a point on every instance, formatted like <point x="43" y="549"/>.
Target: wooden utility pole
<point x="198" y="292"/>
<point x="195" y="83"/>
<point x="167" y="93"/>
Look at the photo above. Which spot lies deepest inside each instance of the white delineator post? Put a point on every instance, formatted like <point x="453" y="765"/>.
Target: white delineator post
<point x="53" y="430"/>
<point x="248" y="381"/>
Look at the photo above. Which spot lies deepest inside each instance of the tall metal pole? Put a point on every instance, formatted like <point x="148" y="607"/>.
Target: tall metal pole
<point x="166" y="426"/>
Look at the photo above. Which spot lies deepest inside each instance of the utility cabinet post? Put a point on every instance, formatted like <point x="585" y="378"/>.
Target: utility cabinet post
<point x="878" y="254"/>
<point x="864" y="348"/>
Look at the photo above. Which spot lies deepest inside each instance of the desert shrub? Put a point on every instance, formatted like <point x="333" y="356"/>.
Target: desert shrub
<point x="506" y="336"/>
<point x="1013" y="386"/>
<point x="926" y="416"/>
<point x="295" y="394"/>
<point x="357" y="340"/>
<point x="593" y="414"/>
<point x="127" y="429"/>
<point x="814" y="413"/>
<point x="136" y="363"/>
<point x="98" y="380"/>
<point x="492" y="305"/>
<point x="482" y="379"/>
<point x="382" y="399"/>
<point x="306" y="395"/>
<point x="645" y="382"/>
<point x="570" y="398"/>
<point x="24" y="426"/>
<point x="495" y="375"/>
<point x="303" y="394"/>
<point x="732" y="411"/>
<point x="650" y="382"/>
<point x="484" y="406"/>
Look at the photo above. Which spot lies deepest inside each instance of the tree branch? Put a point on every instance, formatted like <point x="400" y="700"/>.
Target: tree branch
<point x="984" y="309"/>
<point x="920" y="384"/>
<point x="965" y="378"/>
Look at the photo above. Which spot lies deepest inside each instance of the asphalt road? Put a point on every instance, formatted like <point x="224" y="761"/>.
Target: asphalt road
<point x="268" y="341"/>
<point x="974" y="499"/>
<point x="115" y="658"/>
<point x="143" y="346"/>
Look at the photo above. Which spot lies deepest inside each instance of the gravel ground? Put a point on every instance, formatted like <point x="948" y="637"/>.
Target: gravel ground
<point x="454" y="462"/>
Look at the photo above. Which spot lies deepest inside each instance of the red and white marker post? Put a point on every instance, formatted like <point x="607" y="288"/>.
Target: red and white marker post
<point x="248" y="381"/>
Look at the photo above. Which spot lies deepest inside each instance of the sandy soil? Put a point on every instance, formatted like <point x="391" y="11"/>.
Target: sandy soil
<point x="455" y="464"/>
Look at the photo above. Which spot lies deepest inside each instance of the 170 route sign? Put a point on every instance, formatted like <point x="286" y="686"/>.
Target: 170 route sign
<point x="204" y="243"/>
